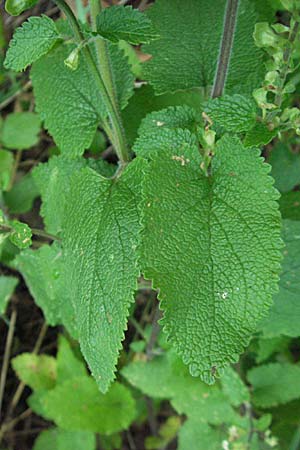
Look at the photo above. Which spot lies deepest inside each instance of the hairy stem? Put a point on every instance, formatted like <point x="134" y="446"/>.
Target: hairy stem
<point x="286" y="61"/>
<point x="104" y="66"/>
<point x="119" y="141"/>
<point x="225" y="48"/>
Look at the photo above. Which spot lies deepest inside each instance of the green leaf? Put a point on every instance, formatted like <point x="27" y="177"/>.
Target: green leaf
<point x="30" y="41"/>
<point x="290" y="205"/>
<point x="169" y="128"/>
<point x="69" y="102"/>
<point x="166" y="377"/>
<point x="266" y="347"/>
<point x="285" y="167"/>
<point x="6" y="169"/>
<point x="133" y="58"/>
<point x="20" y="130"/>
<point x="144" y="101"/>
<point x="173" y="117"/>
<point x="41" y="270"/>
<point x="101" y="234"/>
<point x="53" y="182"/>
<point x="184" y="57"/>
<point x="68" y="365"/>
<point x="274" y="384"/>
<point x="195" y="435"/>
<point x="20" y="235"/>
<point x="16" y="7"/>
<point x="234" y="388"/>
<point x="284" y="316"/>
<point x="124" y="23"/>
<point x="58" y="439"/>
<point x="259" y="135"/>
<point x="206" y="242"/>
<point x="20" y="198"/>
<point x="37" y="371"/>
<point x="235" y="113"/>
<point x="77" y="405"/>
<point x="7" y="287"/>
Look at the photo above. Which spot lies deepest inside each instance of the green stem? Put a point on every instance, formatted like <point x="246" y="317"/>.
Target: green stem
<point x="35" y="231"/>
<point x="286" y="61"/>
<point x="119" y="141"/>
<point x="6" y="357"/>
<point x="225" y="48"/>
<point x="104" y="67"/>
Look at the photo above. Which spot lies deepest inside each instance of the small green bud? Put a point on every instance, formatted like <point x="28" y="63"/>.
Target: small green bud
<point x="289" y="88"/>
<point x="207" y="138"/>
<point x="20" y="235"/>
<point x="260" y="96"/>
<point x="16" y="7"/>
<point x="272" y="77"/>
<point x="73" y="59"/>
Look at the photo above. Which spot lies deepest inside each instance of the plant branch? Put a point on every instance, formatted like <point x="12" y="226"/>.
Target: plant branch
<point x="286" y="61"/>
<point x="118" y="132"/>
<point x="225" y="48"/>
<point x="104" y="67"/>
<point x="154" y="333"/>
<point x="6" y="357"/>
<point x="21" y="385"/>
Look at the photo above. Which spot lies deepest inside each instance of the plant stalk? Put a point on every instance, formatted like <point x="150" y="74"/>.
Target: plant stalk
<point x="118" y="132"/>
<point x="7" y="351"/>
<point x="286" y="60"/>
<point x="230" y="17"/>
<point x="104" y="66"/>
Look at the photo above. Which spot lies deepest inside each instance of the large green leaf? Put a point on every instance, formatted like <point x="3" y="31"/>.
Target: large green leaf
<point x="211" y="245"/>
<point x="274" y="384"/>
<point x="186" y="54"/>
<point x="58" y="439"/>
<point x="53" y="181"/>
<point x="144" y="101"/>
<point x="68" y="365"/>
<point x="166" y="377"/>
<point x="41" y="270"/>
<point x="19" y="199"/>
<point x="70" y="102"/>
<point x="7" y="287"/>
<point x="195" y="435"/>
<point x="284" y="317"/>
<point x="30" y="41"/>
<point x="124" y="23"/>
<point x="38" y="371"/>
<point x="77" y="405"/>
<point x="235" y="113"/>
<point x="100" y="237"/>
<point x="20" y="130"/>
